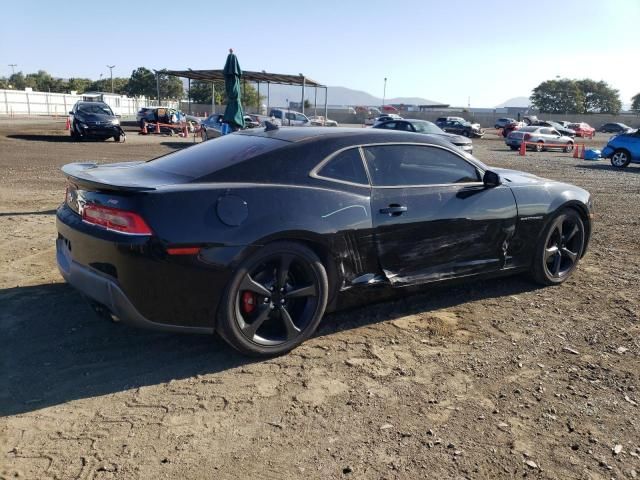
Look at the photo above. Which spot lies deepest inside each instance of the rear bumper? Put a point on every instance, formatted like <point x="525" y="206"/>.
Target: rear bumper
<point x="106" y="292"/>
<point x="136" y="280"/>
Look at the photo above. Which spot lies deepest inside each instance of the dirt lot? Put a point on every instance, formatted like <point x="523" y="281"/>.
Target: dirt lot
<point x="498" y="379"/>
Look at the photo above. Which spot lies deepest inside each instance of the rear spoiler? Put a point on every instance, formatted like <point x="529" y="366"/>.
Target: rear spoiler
<point x="82" y="174"/>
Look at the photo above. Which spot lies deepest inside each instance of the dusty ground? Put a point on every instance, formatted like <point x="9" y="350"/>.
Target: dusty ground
<point x="498" y="379"/>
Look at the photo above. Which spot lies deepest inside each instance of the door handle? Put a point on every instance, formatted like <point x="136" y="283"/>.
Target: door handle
<point x="394" y="209"/>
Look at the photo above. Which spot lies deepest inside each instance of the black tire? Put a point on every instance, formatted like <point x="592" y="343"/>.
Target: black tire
<point x="539" y="146"/>
<point x="620" y="158"/>
<point x="513" y="148"/>
<point x="568" y="147"/>
<point x="274" y="301"/>
<point x="559" y="248"/>
<point x="116" y="138"/>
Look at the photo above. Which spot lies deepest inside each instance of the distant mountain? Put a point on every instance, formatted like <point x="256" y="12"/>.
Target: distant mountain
<point x="280" y="94"/>
<point x="516" y="102"/>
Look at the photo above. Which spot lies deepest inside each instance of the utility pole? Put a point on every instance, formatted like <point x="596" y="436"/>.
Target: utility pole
<point x="110" y="67"/>
<point x="384" y="91"/>
<point x="13" y="68"/>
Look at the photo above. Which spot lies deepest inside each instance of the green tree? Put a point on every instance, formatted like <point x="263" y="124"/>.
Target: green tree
<point x="18" y="81"/>
<point x="4" y="82"/>
<point x="599" y="97"/>
<point x="635" y="103"/>
<point x="142" y="82"/>
<point x="171" y="87"/>
<point x="307" y="104"/>
<point x="201" y="93"/>
<point x="78" y="84"/>
<point x="557" y="96"/>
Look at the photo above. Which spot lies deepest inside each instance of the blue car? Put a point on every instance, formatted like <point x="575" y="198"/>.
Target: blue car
<point x="623" y="149"/>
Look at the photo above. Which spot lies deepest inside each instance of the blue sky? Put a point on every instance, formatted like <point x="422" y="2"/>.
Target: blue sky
<point x="446" y="50"/>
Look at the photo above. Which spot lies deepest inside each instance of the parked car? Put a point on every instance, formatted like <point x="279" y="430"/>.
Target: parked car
<point x="257" y="234"/>
<point x="582" y="129"/>
<point x="251" y="121"/>
<point x="320" y="121"/>
<point x="510" y="127"/>
<point x="211" y="127"/>
<point x="540" y="138"/>
<point x="290" y="118"/>
<point x="442" y="121"/>
<point x="385" y="117"/>
<point x="530" y="119"/>
<point x="503" y="122"/>
<point x="161" y="114"/>
<point x="614" y="128"/>
<point x="425" y="127"/>
<point x="557" y="126"/>
<point x="465" y="128"/>
<point x="623" y="149"/>
<point x="94" y="120"/>
<point x="564" y="123"/>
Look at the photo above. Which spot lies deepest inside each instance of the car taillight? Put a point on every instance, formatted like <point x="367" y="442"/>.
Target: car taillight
<point x="115" y="219"/>
<point x="526" y="137"/>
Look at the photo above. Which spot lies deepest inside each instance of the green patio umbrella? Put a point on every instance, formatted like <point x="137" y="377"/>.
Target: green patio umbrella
<point x="233" y="114"/>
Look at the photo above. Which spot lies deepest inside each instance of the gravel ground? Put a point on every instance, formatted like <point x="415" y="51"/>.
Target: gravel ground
<point x="499" y="379"/>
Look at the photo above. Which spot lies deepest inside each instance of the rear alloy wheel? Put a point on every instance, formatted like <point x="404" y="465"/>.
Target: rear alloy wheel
<point x="275" y="300"/>
<point x="568" y="147"/>
<point x="620" y="158"/>
<point x="560" y="248"/>
<point x="539" y="146"/>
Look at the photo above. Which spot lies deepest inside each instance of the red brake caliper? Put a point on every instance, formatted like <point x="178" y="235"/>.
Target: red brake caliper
<point x="248" y="302"/>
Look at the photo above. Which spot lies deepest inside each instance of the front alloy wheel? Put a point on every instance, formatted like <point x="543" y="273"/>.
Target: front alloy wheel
<point x="620" y="159"/>
<point x="275" y="300"/>
<point x="560" y="248"/>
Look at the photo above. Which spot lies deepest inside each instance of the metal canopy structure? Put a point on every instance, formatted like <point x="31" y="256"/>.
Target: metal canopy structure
<point x="256" y="77"/>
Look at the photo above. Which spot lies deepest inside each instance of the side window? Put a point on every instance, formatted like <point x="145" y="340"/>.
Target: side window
<point x="301" y="118"/>
<point x="404" y="126"/>
<point x="346" y="166"/>
<point x="388" y="125"/>
<point x="402" y="165"/>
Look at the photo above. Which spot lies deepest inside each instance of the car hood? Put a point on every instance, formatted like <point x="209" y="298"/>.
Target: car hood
<point x="94" y="117"/>
<point x="516" y="177"/>
<point x="453" y="138"/>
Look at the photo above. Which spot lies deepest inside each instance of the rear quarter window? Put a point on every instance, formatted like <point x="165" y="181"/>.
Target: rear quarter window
<point x="209" y="157"/>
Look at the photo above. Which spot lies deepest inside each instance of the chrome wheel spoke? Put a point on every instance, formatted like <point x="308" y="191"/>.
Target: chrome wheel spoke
<point x="283" y="270"/>
<point x="292" y="330"/>
<point x="572" y="255"/>
<point x="308" y="291"/>
<point x="550" y="252"/>
<point x="555" y="268"/>
<point x="251" y="285"/>
<point x="250" y="329"/>
<point x="572" y="233"/>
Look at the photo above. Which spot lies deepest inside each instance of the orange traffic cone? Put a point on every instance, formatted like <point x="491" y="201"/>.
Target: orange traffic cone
<point x="158" y="127"/>
<point x="582" y="153"/>
<point x="144" y="128"/>
<point x="523" y="149"/>
<point x="185" y="130"/>
<point x="576" y="148"/>
<point x="67" y="125"/>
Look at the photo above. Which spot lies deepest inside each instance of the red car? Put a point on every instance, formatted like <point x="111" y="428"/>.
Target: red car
<point x="582" y="129"/>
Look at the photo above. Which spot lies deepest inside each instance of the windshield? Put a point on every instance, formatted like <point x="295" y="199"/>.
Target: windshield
<point x="423" y="126"/>
<point x="209" y="157"/>
<point x="100" y="109"/>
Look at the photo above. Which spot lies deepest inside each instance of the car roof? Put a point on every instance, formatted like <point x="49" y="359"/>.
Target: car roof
<point x="353" y="136"/>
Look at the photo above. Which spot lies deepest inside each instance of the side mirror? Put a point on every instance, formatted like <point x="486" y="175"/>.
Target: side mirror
<point x="491" y="179"/>
<point x="70" y="113"/>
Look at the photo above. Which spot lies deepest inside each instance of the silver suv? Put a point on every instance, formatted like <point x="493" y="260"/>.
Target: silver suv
<point x="290" y="118"/>
<point x="539" y="138"/>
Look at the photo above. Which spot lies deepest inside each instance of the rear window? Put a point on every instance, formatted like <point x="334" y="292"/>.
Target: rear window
<point x="212" y="156"/>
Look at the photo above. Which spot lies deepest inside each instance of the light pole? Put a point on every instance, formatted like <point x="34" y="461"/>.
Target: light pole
<point x="13" y="68"/>
<point x="384" y="91"/>
<point x="110" y="67"/>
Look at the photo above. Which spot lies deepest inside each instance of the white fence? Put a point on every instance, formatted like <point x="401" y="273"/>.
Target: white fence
<point x="21" y="102"/>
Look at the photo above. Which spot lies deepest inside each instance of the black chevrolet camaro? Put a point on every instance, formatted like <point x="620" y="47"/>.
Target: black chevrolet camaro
<point x="257" y="234"/>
